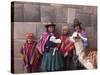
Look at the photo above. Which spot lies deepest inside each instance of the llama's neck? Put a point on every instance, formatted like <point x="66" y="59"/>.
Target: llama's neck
<point x="79" y="47"/>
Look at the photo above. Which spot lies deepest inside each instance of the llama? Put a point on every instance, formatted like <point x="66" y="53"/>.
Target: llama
<point x="87" y="57"/>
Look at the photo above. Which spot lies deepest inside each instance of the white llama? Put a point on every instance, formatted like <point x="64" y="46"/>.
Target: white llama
<point x="87" y="57"/>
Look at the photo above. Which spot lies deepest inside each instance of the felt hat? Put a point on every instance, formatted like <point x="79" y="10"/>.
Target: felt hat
<point x="49" y="24"/>
<point x="76" y="22"/>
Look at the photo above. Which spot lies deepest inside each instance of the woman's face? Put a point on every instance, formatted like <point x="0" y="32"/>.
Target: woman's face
<point x="77" y="28"/>
<point x="51" y="29"/>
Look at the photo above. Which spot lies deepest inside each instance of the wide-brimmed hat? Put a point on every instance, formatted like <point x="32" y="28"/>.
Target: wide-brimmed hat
<point x="76" y="22"/>
<point x="49" y="24"/>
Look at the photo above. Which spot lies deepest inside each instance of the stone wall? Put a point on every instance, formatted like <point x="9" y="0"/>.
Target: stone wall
<point x="29" y="17"/>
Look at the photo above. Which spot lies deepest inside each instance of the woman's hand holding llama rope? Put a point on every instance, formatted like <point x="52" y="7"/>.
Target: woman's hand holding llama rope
<point x="83" y="38"/>
<point x="75" y="34"/>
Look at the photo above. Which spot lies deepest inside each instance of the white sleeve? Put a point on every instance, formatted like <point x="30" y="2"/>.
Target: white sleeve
<point x="83" y="38"/>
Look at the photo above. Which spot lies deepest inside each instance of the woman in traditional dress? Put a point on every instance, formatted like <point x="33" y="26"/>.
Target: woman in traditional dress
<point x="30" y="54"/>
<point x="48" y="46"/>
<point x="81" y="33"/>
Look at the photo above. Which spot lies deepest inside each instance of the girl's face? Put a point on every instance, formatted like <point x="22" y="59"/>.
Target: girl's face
<point x="77" y="28"/>
<point x="51" y="29"/>
<point x="65" y="31"/>
<point x="29" y="40"/>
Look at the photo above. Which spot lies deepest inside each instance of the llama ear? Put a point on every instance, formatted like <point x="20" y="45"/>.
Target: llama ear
<point x="74" y="34"/>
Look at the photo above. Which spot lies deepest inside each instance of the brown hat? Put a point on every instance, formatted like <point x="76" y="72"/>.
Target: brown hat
<point x="50" y="24"/>
<point x="76" y="22"/>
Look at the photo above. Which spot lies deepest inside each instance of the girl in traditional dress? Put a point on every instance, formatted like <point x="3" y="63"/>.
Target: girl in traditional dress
<point x="66" y="47"/>
<point x="30" y="54"/>
<point x="48" y="47"/>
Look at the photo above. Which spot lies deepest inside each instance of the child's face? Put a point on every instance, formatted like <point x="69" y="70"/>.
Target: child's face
<point x="51" y="29"/>
<point x="29" y="40"/>
<point x="65" y="31"/>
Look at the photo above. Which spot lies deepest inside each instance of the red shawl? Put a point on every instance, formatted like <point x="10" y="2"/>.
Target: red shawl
<point x="66" y="45"/>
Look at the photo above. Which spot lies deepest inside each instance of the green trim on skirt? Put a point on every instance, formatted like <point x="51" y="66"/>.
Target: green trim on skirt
<point x="52" y="63"/>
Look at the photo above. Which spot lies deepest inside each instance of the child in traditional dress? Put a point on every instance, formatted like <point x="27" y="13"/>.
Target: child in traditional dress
<point x="48" y="47"/>
<point x="30" y="54"/>
<point x="66" y="47"/>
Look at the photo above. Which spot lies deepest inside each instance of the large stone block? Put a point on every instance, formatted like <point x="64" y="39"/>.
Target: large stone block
<point x="90" y="10"/>
<point x="59" y="27"/>
<point x="85" y="19"/>
<point x="61" y="14"/>
<point x="40" y="29"/>
<point x="31" y="12"/>
<point x="26" y="12"/>
<point x="48" y="12"/>
<point x="94" y="21"/>
<point x="22" y="28"/>
<point x="92" y="36"/>
<point x="17" y="46"/>
<point x="79" y="10"/>
<point x="71" y="15"/>
<point x="18" y="12"/>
